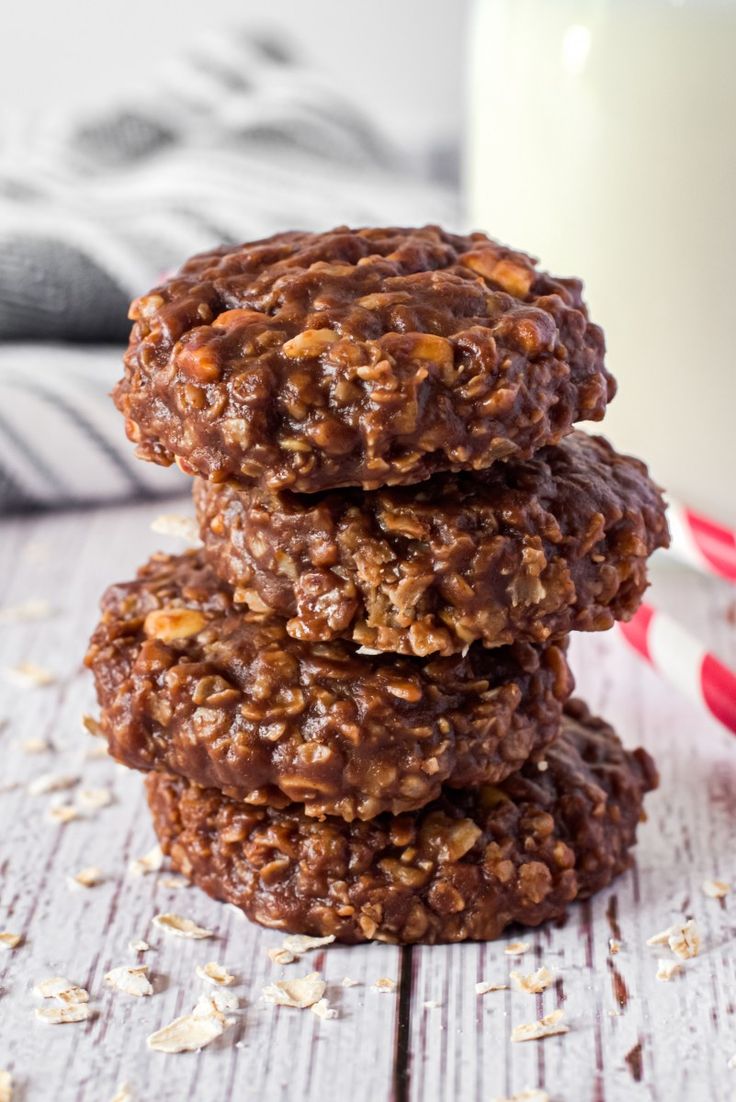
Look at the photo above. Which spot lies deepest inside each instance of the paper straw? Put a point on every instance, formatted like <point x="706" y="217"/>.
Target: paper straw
<point x="682" y="661"/>
<point x="701" y="542"/>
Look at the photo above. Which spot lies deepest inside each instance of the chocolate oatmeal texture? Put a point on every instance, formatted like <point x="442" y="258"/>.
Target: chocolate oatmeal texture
<point x="192" y="683"/>
<point x="522" y="552"/>
<point x="363" y="357"/>
<point x="463" y="868"/>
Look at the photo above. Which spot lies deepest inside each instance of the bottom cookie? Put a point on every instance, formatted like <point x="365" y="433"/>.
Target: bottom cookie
<point x="464" y="867"/>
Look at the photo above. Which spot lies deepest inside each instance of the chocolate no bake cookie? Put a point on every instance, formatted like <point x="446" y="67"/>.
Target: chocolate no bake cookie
<point x="463" y="868"/>
<point x="521" y="552"/>
<point x="192" y="683"/>
<point x="358" y="357"/>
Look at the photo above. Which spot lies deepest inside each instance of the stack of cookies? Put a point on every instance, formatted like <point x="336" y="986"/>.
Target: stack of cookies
<point x="353" y="700"/>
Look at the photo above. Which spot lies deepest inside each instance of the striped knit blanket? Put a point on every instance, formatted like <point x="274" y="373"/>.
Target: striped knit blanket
<point x="234" y="142"/>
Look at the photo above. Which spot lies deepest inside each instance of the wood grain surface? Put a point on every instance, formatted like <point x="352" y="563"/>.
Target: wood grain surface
<point x="631" y="1036"/>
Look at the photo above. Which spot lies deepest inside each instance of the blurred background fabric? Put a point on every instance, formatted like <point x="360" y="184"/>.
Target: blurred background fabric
<point x="234" y="140"/>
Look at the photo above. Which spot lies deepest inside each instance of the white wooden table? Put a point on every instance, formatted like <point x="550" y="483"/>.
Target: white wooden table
<point x="632" y="1037"/>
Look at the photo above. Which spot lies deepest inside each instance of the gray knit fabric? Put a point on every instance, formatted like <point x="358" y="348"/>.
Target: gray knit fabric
<point x="235" y="142"/>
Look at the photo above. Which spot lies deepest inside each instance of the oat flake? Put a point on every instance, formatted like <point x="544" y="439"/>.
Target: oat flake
<point x="302" y="943"/>
<point x="131" y="980"/>
<point x="150" y="862"/>
<point x="92" y="727"/>
<point x="668" y="969"/>
<point x="123" y="1094"/>
<point x="683" y="939"/>
<point x="174" y="882"/>
<point x="385" y="985"/>
<point x="716" y="889"/>
<point x="180" y="926"/>
<point x="10" y="941"/>
<point x="94" y="799"/>
<point x="300" y="993"/>
<point x="215" y="973"/>
<point x="533" y="1094"/>
<point x="281" y="956"/>
<point x="87" y="878"/>
<point x="548" y="1026"/>
<point x="27" y="675"/>
<point x="535" y="982"/>
<point x="178" y="526"/>
<point x="60" y="1015"/>
<point x="486" y="986"/>
<point x="58" y="987"/>
<point x="63" y="813"/>
<point x="516" y="948"/>
<point x="323" y="1010"/>
<point x="192" y="1031"/>
<point x="6" y="1086"/>
<point x="26" y="611"/>
<point x="139" y="946"/>
<point x="51" y="782"/>
<point x="36" y="746"/>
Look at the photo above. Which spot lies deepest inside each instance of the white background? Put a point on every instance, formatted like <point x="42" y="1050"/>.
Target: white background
<point x="401" y="59"/>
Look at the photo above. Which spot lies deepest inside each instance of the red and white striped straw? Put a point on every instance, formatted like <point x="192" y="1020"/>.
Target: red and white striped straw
<point x="701" y="542"/>
<point x="683" y="662"/>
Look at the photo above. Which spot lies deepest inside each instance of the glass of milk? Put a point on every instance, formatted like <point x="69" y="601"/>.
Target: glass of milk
<point x="603" y="139"/>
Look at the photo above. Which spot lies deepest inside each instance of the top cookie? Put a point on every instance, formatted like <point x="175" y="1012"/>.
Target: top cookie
<point x="358" y="358"/>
